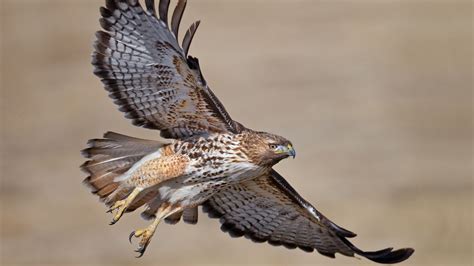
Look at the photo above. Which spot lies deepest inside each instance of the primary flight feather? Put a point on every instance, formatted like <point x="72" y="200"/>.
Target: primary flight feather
<point x="211" y="161"/>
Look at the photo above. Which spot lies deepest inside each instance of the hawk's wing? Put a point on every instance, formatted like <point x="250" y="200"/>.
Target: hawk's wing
<point x="269" y="209"/>
<point x="150" y="76"/>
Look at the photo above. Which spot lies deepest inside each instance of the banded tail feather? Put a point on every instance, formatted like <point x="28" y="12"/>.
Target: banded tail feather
<point x="111" y="157"/>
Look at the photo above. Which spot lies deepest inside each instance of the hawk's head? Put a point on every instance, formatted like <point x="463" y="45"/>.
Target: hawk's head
<point x="267" y="149"/>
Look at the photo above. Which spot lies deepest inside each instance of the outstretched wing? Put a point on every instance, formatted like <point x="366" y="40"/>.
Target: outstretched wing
<point x="269" y="209"/>
<point x="150" y="76"/>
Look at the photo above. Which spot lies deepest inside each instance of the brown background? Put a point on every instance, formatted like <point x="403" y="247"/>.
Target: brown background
<point x="375" y="95"/>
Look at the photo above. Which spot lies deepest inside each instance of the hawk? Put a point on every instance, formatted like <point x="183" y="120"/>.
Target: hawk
<point x="211" y="160"/>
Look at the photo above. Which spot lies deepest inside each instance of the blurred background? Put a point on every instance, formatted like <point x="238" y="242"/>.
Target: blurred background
<point x="375" y="95"/>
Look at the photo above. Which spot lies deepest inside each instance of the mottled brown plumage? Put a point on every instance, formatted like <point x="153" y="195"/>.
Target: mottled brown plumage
<point x="211" y="161"/>
<point x="159" y="170"/>
<point x="256" y="146"/>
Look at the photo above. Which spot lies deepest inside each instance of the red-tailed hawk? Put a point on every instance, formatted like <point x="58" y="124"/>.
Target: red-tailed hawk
<point x="212" y="160"/>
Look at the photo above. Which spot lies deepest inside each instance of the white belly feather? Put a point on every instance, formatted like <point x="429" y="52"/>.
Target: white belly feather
<point x="204" y="175"/>
<point x="186" y="193"/>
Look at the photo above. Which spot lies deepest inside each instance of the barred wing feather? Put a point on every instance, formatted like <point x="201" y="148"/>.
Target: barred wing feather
<point x="269" y="209"/>
<point x="150" y="76"/>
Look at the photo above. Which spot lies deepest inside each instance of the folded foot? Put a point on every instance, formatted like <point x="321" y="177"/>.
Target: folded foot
<point x="121" y="205"/>
<point x="146" y="235"/>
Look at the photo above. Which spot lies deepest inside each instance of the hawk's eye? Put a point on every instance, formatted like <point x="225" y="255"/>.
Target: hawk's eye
<point x="273" y="146"/>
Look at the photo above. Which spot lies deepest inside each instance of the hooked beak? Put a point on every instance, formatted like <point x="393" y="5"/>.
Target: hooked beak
<point x="286" y="150"/>
<point x="291" y="151"/>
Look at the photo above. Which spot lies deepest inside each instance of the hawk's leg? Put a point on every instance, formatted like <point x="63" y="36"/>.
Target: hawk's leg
<point x="122" y="205"/>
<point x="147" y="233"/>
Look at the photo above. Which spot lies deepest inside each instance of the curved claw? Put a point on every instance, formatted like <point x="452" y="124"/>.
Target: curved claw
<point x="143" y="243"/>
<point x="132" y="234"/>
<point x="141" y="251"/>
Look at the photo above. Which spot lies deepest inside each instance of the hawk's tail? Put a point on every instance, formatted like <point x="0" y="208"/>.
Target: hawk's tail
<point x="110" y="157"/>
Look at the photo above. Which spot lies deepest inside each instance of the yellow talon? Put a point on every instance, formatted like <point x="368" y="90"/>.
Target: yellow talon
<point x="122" y="205"/>
<point x="146" y="235"/>
<point x="138" y="233"/>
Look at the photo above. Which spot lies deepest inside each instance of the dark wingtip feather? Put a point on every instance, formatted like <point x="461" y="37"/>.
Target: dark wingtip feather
<point x="188" y="38"/>
<point x="385" y="256"/>
<point x="396" y="256"/>
<point x="163" y="10"/>
<point x="177" y="16"/>
<point x="341" y="231"/>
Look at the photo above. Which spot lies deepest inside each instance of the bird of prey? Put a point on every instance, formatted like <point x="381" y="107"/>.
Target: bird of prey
<point x="210" y="161"/>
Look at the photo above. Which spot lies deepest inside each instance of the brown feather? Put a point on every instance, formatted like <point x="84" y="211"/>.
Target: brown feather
<point x="148" y="74"/>
<point x="111" y="157"/>
<point x="177" y="16"/>
<point x="188" y="38"/>
<point x="163" y="10"/>
<point x="120" y="193"/>
<point x="152" y="208"/>
<point x="174" y="218"/>
<point x="190" y="215"/>
<point x="269" y="210"/>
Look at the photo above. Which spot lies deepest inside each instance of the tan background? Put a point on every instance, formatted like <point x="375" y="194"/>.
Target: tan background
<point x="375" y="95"/>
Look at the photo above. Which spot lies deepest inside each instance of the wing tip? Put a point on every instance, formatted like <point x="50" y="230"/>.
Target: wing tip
<point x="383" y="256"/>
<point x="341" y="232"/>
<point x="393" y="256"/>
